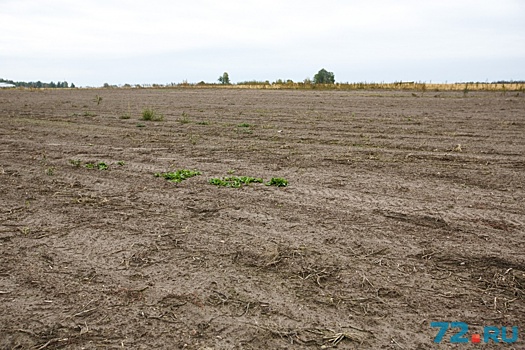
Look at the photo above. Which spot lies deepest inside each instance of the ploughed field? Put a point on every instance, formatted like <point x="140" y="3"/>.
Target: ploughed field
<point x="400" y="210"/>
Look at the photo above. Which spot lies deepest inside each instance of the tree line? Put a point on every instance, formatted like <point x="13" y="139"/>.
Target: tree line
<point x="322" y="77"/>
<point x="38" y="84"/>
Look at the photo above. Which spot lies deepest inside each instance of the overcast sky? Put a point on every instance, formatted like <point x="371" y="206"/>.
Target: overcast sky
<point x="92" y="42"/>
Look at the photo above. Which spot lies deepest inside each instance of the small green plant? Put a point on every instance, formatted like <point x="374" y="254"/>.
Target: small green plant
<point x="179" y="175"/>
<point x="234" y="181"/>
<point x="102" y="166"/>
<point x="98" y="99"/>
<point x="50" y="171"/>
<point x="150" y="114"/>
<point x="99" y="166"/>
<point x="184" y="118"/>
<point x="121" y="163"/>
<point x="139" y="125"/>
<point x="244" y="125"/>
<point x="89" y="114"/>
<point x="75" y="162"/>
<point x="277" y="181"/>
<point x="204" y="122"/>
<point x="193" y="139"/>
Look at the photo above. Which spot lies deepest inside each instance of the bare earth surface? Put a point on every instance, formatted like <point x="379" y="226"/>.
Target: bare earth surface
<point x="386" y="226"/>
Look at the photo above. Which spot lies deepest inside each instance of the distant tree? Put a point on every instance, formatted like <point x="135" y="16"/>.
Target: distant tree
<point x="224" y="79"/>
<point x="72" y="86"/>
<point x="324" y="77"/>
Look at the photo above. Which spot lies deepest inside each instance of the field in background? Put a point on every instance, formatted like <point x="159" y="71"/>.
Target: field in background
<point x="402" y="208"/>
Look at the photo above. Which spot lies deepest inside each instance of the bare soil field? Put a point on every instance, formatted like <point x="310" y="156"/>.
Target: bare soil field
<point x="402" y="209"/>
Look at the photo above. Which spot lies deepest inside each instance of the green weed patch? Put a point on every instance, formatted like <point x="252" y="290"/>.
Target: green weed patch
<point x="239" y="181"/>
<point x="151" y="115"/>
<point x="277" y="181"/>
<point x="234" y="181"/>
<point x="98" y="165"/>
<point x="179" y="175"/>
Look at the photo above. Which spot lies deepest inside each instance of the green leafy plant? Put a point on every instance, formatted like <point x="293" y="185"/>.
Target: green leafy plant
<point x="98" y="165"/>
<point x="184" y="118"/>
<point x="277" y="181"/>
<point x="50" y="171"/>
<point x="234" y="181"/>
<point x="244" y="128"/>
<point x="151" y="115"/>
<point x="102" y="166"/>
<point x="121" y="162"/>
<point x="179" y="175"/>
<point x="98" y="99"/>
<point x="75" y="162"/>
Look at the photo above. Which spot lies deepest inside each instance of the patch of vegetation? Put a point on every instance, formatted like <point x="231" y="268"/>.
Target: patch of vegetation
<point x="75" y="162"/>
<point x="150" y="114"/>
<point x="50" y="171"/>
<point x="98" y="99"/>
<point x="178" y="175"/>
<point x="205" y="122"/>
<point x="244" y="125"/>
<point x="89" y="114"/>
<point x="277" y="181"/>
<point x="193" y="139"/>
<point x="93" y="165"/>
<point x="184" y="118"/>
<point x="98" y="165"/>
<point x="139" y="125"/>
<point x="235" y="181"/>
<point x="125" y="116"/>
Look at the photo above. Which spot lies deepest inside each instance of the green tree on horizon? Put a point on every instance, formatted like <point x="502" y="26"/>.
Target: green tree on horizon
<point x="224" y="79"/>
<point x="324" y="77"/>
